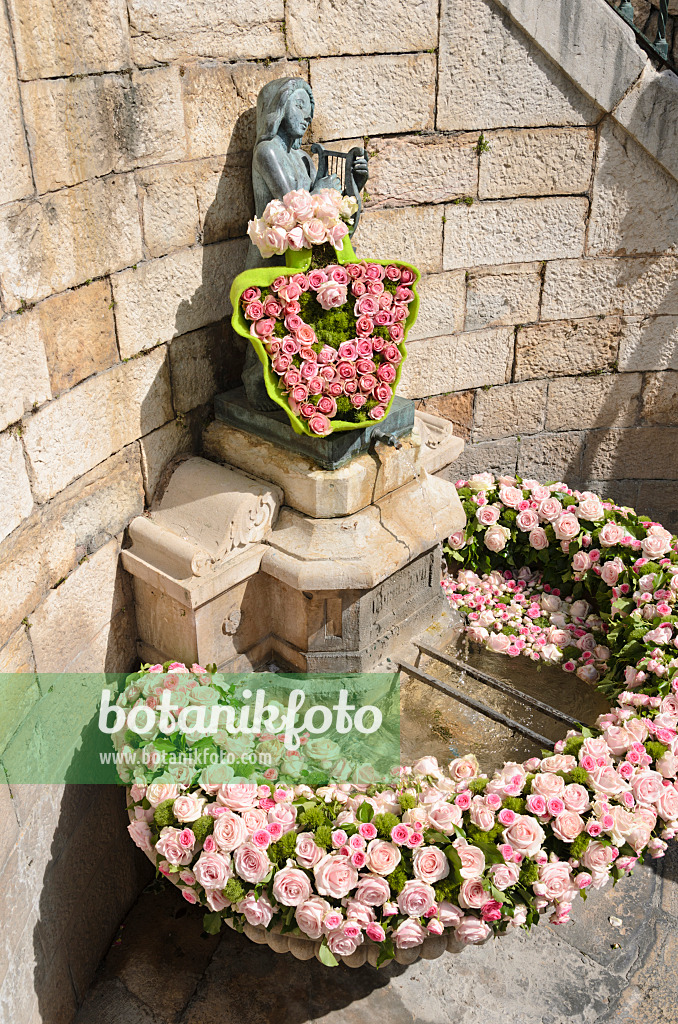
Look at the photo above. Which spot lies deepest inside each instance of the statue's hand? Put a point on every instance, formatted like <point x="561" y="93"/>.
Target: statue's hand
<point x="329" y="181"/>
<point x="360" y="172"/>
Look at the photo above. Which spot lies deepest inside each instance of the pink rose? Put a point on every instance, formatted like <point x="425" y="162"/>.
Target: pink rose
<point x="291" y="887"/>
<point x="567" y="826"/>
<point x="581" y="562"/>
<point x="510" y="496"/>
<point x="188" y="807"/>
<point x="373" y="890"/>
<point x="444" y="816"/>
<point x="576" y="798"/>
<point x="667" y="803"/>
<point x="611" y="534"/>
<point x="566" y="526"/>
<point x="472" y="930"/>
<point x="309" y="916"/>
<point x="496" y="537"/>
<point x="611" y="571"/>
<point x="386" y="372"/>
<point x="382" y="857"/>
<point x="430" y="864"/>
<point x="597" y="856"/>
<point x="307" y="852"/>
<point x="251" y="863"/>
<point x="212" y="870"/>
<point x="409" y="934"/>
<point x="527" y="520"/>
<point x="377" y="412"/>
<point x="550" y="509"/>
<point x="141" y="834"/>
<point x="488" y="515"/>
<point x="158" y="792"/>
<point x="257" y="912"/>
<point x="504" y="875"/>
<point x="330" y="295"/>
<point x="229" y="831"/>
<point x="172" y="846"/>
<point x="472" y="860"/>
<point x="320" y="425"/>
<point x="499" y="643"/>
<point x="647" y="787"/>
<point x="301" y="203"/>
<point x="472" y="895"/>
<point x="345" y="940"/>
<point x="538" y="539"/>
<point x="335" y="876"/>
<point x="555" y="882"/>
<point x="315" y="233"/>
<point x="525" y="835"/>
<point x="416" y="898"/>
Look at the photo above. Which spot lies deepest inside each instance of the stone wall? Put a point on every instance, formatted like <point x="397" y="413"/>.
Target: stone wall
<point x="536" y="191"/>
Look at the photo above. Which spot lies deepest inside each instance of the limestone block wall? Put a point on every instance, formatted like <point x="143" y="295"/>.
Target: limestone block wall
<point x="526" y="163"/>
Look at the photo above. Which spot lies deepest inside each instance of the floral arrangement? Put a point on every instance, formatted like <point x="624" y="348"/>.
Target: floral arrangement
<point x="322" y="375"/>
<point x="300" y="220"/>
<point x="329" y="329"/>
<point x="596" y="590"/>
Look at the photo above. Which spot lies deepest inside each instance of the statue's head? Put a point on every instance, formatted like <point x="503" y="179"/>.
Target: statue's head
<point x="285" y="103"/>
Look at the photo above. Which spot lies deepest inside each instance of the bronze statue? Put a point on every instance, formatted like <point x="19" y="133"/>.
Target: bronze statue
<point x="284" y="111"/>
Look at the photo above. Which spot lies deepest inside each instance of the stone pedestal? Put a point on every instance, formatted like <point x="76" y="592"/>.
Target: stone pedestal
<point x="326" y="570"/>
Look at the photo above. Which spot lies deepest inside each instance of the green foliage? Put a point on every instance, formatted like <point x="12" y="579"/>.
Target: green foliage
<point x="407" y="801"/>
<point x="476" y="835"/>
<point x="447" y="889"/>
<point x="313" y="818"/>
<point x="578" y="846"/>
<point x="516" y="804"/>
<point x="477" y="786"/>
<point x="234" y="891"/>
<point x="164" y="815"/>
<point x="573" y="744"/>
<point x="211" y="923"/>
<point x="323" y="837"/>
<point x="529" y="873"/>
<point x="655" y="749"/>
<point x="397" y="879"/>
<point x="203" y="827"/>
<point x="285" y="846"/>
<point x="482" y="145"/>
<point x="579" y="775"/>
<point x="384" y="823"/>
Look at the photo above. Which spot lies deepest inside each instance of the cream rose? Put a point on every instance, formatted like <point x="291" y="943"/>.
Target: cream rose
<point x="309" y="916"/>
<point x="472" y="930"/>
<point x="257" y="912"/>
<point x="308" y="853"/>
<point x="373" y="890"/>
<point x="496" y="537"/>
<point x="251" y="863"/>
<point x="189" y="807"/>
<point x="229" y="831"/>
<point x="212" y="870"/>
<point x="409" y="934"/>
<point x="237" y="796"/>
<point x="335" y="876"/>
<point x="291" y="887"/>
<point x="525" y="834"/>
<point x="430" y="864"/>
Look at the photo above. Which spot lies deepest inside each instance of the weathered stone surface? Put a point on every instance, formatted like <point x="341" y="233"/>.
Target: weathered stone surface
<point x="567" y="347"/>
<point x="83" y="427"/>
<point x="15" y="491"/>
<point x="503" y="296"/>
<point x="159" y="447"/>
<point x="659" y="499"/>
<point x="496" y="457"/>
<point x="25" y="377"/>
<point x="541" y="162"/>
<point x="196" y="364"/>
<point x="413" y="234"/>
<point x="640" y="285"/>
<point x="175" y="294"/>
<point x="81" y="128"/>
<point x="315" y="28"/>
<point x="422" y="169"/>
<point x="63" y="37"/>
<point x="53" y="540"/>
<point x="648" y="112"/>
<point x="77" y="610"/>
<point x="15" y="169"/>
<point x="640" y="453"/>
<point x="17" y="656"/>
<point x="552" y="456"/>
<point x="650" y="343"/>
<point x="479" y="47"/>
<point x="457" y="408"/>
<point x="165" y="30"/>
<point x="10" y="830"/>
<point x="322" y="494"/>
<point x="608" y="400"/>
<point x="511" y="409"/>
<point x="78" y="333"/>
<point x="441" y="306"/>
<point x="19" y="694"/>
<point x="169" y="207"/>
<point x="373" y="95"/>
<point x="57" y="242"/>
<point x="635" y="202"/>
<point x="513" y="232"/>
<point x="437" y="365"/>
<point x="660" y="399"/>
<point x="220" y="101"/>
<point x="225" y="198"/>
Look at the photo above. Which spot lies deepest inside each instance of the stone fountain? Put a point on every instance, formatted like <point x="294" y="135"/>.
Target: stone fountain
<point x="321" y="554"/>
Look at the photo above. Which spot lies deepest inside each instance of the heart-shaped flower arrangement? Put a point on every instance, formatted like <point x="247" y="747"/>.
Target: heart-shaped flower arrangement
<point x="329" y="330"/>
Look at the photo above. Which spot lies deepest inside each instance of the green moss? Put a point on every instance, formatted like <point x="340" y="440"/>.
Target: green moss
<point x="573" y="745"/>
<point x="446" y="890"/>
<point x="313" y="818"/>
<point x="284" y="848"/>
<point x="655" y="749"/>
<point x="407" y="801"/>
<point x="476" y="835"/>
<point x="323" y="837"/>
<point x="579" y="775"/>
<point x="529" y="873"/>
<point x="516" y="804"/>
<point x="578" y="846"/>
<point x="164" y="815"/>
<point x="397" y="879"/>
<point x="384" y="823"/>
<point x="234" y="891"/>
<point x="478" y="785"/>
<point x="203" y="827"/>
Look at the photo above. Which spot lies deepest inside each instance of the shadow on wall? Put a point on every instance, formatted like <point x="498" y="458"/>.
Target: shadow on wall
<point x="226" y="218"/>
<point x="635" y="438"/>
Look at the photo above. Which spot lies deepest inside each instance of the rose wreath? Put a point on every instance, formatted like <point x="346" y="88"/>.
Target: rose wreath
<point x="329" y="329"/>
<point x="440" y="858"/>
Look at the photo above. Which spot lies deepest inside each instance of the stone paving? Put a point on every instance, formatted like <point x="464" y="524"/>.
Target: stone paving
<point x="161" y="970"/>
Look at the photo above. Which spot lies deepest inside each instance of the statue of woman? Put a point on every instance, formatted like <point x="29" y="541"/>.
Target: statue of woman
<point x="279" y="165"/>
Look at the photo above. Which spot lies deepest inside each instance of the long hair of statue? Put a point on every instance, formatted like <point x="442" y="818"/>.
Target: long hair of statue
<point x="271" y="104"/>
